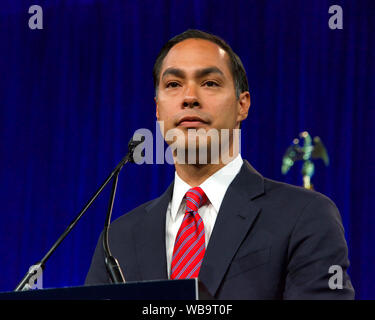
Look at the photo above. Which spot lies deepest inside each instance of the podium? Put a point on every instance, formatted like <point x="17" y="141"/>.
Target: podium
<point x="186" y="289"/>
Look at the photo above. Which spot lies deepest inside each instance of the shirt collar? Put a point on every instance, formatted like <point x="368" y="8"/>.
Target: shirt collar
<point x="214" y="187"/>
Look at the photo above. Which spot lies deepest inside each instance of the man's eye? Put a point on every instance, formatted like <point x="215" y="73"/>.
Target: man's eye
<point x="172" y="84"/>
<point x="211" y="84"/>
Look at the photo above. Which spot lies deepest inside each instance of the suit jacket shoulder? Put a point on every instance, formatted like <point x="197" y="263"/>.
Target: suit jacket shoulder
<point x="132" y="237"/>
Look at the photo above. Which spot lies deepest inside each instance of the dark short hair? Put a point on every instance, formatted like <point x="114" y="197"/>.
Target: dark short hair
<point x="235" y="64"/>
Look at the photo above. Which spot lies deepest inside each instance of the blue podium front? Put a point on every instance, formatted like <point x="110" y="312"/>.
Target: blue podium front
<point x="186" y="289"/>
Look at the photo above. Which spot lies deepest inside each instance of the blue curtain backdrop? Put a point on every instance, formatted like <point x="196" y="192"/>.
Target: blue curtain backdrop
<point x="72" y="94"/>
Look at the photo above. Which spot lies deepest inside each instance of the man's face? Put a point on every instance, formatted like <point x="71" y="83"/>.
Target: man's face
<point x="196" y="89"/>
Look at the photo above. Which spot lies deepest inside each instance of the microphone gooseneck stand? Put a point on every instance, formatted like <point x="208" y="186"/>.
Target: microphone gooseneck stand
<point x="112" y="265"/>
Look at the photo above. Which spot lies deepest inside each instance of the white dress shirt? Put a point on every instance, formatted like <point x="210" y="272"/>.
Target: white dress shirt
<point x="214" y="187"/>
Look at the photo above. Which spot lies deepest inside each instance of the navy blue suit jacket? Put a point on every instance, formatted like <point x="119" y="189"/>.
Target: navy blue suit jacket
<point x="271" y="240"/>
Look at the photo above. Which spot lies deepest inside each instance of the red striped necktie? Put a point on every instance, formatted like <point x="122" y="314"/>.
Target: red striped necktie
<point x="189" y="247"/>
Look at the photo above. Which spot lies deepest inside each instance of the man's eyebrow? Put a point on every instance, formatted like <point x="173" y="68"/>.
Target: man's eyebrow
<point x="198" y="74"/>
<point x="174" y="72"/>
<point x="206" y="71"/>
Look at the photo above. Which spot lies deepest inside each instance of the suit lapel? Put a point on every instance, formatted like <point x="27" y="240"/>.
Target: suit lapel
<point x="235" y="218"/>
<point x="149" y="237"/>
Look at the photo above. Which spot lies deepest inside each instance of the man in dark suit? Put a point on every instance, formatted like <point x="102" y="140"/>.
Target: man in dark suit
<point x="244" y="236"/>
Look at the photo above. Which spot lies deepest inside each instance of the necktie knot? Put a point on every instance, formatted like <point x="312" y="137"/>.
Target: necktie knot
<point x="195" y="198"/>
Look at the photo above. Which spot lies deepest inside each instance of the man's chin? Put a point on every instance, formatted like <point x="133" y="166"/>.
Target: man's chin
<point x="198" y="146"/>
<point x="195" y="155"/>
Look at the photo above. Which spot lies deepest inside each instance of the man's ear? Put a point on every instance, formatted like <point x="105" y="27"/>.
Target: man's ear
<point x="157" y="107"/>
<point x="244" y="102"/>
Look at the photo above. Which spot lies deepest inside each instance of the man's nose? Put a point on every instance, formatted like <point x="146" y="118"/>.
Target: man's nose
<point x="190" y="99"/>
<point x="191" y="103"/>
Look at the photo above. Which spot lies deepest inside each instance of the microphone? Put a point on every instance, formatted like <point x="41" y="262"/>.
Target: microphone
<point x="111" y="263"/>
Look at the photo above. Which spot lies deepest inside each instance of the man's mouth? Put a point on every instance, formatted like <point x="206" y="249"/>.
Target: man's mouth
<point x="191" y="122"/>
